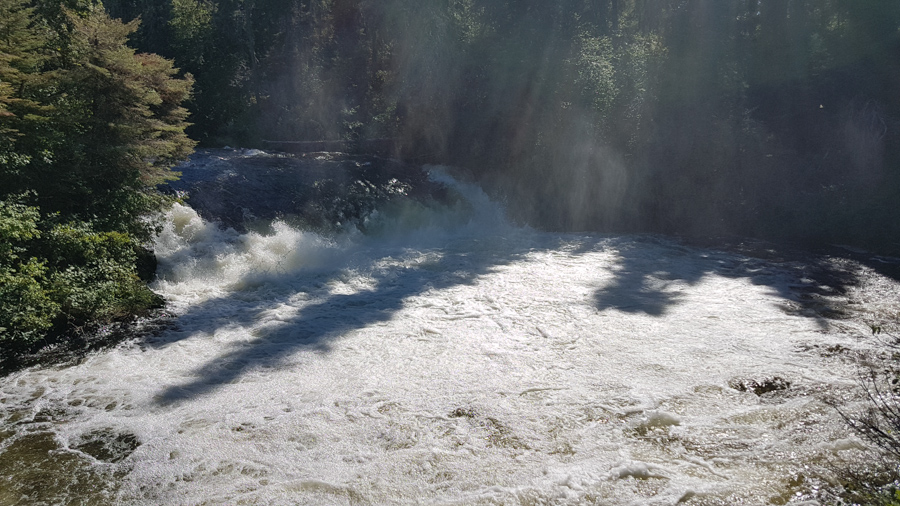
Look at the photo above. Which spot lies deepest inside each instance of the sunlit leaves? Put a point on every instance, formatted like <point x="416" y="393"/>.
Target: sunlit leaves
<point x="87" y="127"/>
<point x="127" y="123"/>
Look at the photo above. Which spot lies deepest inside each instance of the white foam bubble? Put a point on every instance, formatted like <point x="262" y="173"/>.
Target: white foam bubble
<point x="448" y="362"/>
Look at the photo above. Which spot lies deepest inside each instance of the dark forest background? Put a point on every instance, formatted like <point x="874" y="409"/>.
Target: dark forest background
<point x="766" y="118"/>
<point x="775" y="119"/>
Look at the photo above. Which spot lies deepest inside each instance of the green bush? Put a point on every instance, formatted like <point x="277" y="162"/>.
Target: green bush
<point x="101" y="292"/>
<point x="55" y="278"/>
<point x="88" y="128"/>
<point x="26" y="310"/>
<point x="77" y="244"/>
<point x="94" y="275"/>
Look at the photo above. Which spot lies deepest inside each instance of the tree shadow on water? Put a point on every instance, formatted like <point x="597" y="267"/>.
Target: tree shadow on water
<point x="648" y="274"/>
<point x="649" y="280"/>
<point x="328" y="317"/>
<point x="642" y="278"/>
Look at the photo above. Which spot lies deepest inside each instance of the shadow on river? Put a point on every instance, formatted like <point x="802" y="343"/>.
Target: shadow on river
<point x="814" y="287"/>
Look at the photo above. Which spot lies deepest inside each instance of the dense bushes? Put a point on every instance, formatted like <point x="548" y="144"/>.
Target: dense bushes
<point x="95" y="274"/>
<point x="55" y="278"/>
<point x="26" y="310"/>
<point x="87" y="128"/>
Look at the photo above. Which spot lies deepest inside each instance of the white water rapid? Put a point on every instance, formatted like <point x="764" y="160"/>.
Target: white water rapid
<point x="457" y="359"/>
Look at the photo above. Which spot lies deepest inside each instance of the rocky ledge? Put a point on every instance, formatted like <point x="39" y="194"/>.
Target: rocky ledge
<point x="321" y="191"/>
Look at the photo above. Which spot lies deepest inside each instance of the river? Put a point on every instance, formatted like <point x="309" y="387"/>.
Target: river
<point x="451" y="358"/>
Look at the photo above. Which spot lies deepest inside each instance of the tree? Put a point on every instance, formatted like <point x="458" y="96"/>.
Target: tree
<point x="88" y="127"/>
<point x="22" y="58"/>
<point x="119" y="123"/>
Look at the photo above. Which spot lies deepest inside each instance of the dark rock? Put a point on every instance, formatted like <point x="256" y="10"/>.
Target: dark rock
<point x="146" y="264"/>
<point x="325" y="192"/>
<point x="760" y="387"/>
<point x="108" y="446"/>
<point x="463" y="413"/>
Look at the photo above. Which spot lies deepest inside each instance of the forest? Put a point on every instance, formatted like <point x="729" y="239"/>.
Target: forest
<point x="774" y="119"/>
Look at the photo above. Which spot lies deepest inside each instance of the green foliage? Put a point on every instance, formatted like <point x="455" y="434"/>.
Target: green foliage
<point x="18" y="224"/>
<point x="191" y="23"/>
<point x="87" y="128"/>
<point x="100" y="292"/>
<point x="93" y="129"/>
<point x="62" y="277"/>
<point x="26" y="310"/>
<point x="123" y="121"/>
<point x="77" y="244"/>
<point x="596" y="73"/>
<point x="94" y="277"/>
<point x="21" y="58"/>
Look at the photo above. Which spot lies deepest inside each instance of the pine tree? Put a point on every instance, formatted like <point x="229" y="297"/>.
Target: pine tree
<point x="87" y="128"/>
<point x="22" y="58"/>
<point x="123" y="122"/>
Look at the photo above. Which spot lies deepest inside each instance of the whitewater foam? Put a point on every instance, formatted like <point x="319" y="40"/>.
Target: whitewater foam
<point x="454" y="360"/>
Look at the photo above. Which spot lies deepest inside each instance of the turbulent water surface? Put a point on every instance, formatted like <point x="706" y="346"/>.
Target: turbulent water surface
<point x="450" y="358"/>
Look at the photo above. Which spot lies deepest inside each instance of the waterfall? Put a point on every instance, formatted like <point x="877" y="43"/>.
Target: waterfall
<point x="446" y="356"/>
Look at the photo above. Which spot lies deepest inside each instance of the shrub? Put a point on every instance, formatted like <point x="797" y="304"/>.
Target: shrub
<point x="94" y="275"/>
<point x="26" y="310"/>
<point x="54" y="281"/>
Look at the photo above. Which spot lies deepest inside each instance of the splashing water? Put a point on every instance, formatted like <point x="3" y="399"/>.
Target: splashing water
<point x="448" y="358"/>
